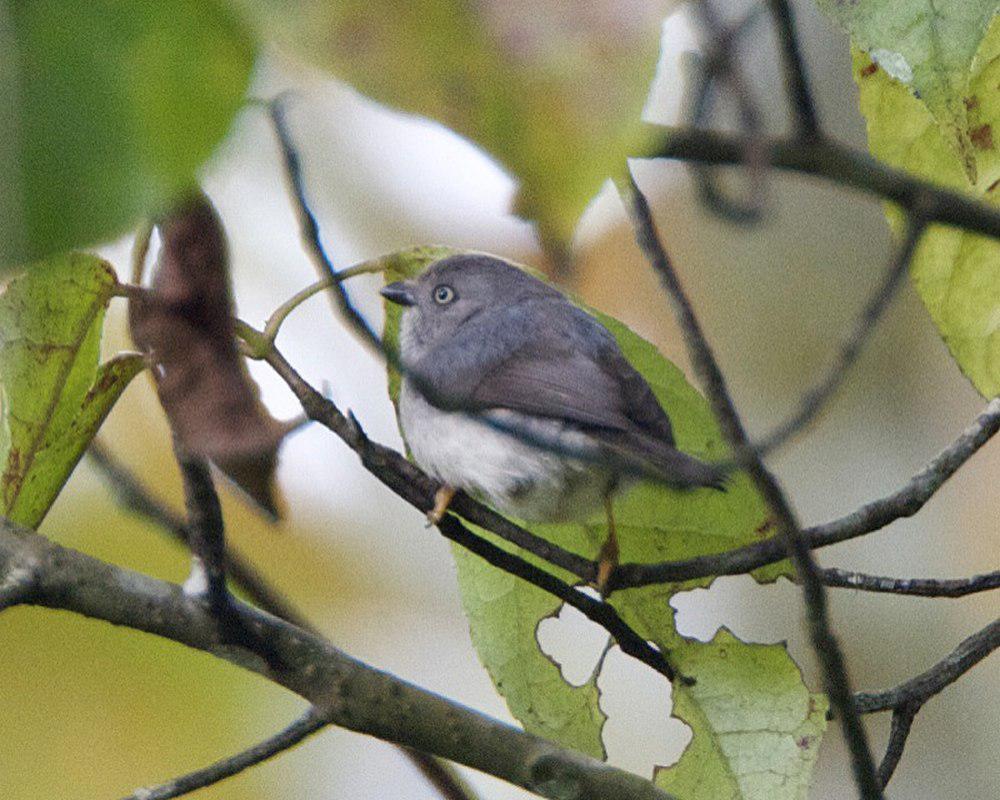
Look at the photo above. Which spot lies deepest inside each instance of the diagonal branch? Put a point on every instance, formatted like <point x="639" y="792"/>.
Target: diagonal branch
<point x="304" y="726"/>
<point x="814" y="399"/>
<point x="796" y="83"/>
<point x="136" y="498"/>
<point x="904" y="502"/>
<point x="824" y="643"/>
<point x="347" y="692"/>
<point x="924" y="686"/>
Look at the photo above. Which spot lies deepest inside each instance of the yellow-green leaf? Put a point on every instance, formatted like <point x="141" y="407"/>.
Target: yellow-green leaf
<point x="110" y="107"/>
<point x="756" y="728"/>
<point x="554" y="90"/>
<point x="928" y="45"/>
<point x="654" y="524"/>
<point x="957" y="274"/>
<point x="53" y="394"/>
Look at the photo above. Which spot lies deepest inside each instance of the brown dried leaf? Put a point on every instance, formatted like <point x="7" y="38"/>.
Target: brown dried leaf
<point x="185" y="327"/>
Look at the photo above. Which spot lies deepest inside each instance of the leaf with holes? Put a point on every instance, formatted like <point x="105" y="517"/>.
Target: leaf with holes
<point x="53" y="394"/>
<point x="553" y="89"/>
<point x="956" y="273"/>
<point x="654" y="524"/>
<point x="929" y="46"/>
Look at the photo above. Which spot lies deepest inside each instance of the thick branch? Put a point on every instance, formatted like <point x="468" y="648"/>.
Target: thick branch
<point x="347" y="692"/>
<point x="824" y="643"/>
<point x="304" y="726"/>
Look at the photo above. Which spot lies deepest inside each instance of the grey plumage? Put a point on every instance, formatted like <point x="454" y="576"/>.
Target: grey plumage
<point x="484" y="339"/>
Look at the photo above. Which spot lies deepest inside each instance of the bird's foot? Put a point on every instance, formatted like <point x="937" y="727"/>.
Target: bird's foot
<point x="442" y="499"/>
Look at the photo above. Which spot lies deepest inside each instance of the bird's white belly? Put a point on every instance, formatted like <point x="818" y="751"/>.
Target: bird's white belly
<point x="513" y="476"/>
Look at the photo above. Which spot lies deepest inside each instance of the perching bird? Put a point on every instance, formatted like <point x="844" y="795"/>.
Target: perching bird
<point x="524" y="401"/>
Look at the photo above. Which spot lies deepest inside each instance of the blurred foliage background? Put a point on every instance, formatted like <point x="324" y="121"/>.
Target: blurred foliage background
<point x="91" y="712"/>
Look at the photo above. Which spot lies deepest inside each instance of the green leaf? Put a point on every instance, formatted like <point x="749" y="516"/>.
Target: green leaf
<point x="112" y="107"/>
<point x="928" y="45"/>
<point x="957" y="274"/>
<point x="53" y="394"/>
<point x="756" y="728"/>
<point x="553" y="91"/>
<point x="654" y="524"/>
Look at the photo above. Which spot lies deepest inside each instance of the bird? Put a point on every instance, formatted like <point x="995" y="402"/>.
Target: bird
<point x="525" y="401"/>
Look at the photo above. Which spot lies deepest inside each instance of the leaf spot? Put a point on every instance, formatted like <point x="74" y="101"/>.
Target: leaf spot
<point x="982" y="137"/>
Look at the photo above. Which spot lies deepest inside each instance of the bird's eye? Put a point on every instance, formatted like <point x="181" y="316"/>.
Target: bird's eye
<point x="443" y="294"/>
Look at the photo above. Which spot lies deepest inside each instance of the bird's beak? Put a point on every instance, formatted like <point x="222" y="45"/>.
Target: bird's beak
<point x="399" y="292"/>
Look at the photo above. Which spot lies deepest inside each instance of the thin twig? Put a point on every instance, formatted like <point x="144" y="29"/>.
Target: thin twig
<point x="304" y="726"/>
<point x="920" y="587"/>
<point x="813" y="401"/>
<point x="206" y="532"/>
<point x="904" y="502"/>
<point x="136" y="498"/>
<point x="824" y="643"/>
<point x="720" y="63"/>
<point x="924" y="686"/>
<point x="414" y="486"/>
<point x="796" y="82"/>
<point x="902" y="722"/>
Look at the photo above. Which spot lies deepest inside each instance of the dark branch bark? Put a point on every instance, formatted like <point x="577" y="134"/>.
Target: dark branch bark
<point x="136" y="498"/>
<point x="844" y="166"/>
<point x="902" y="722"/>
<point x="924" y="686"/>
<point x="873" y="516"/>
<point x="813" y="401"/>
<point x="824" y="643"/>
<point x="347" y="692"/>
<point x="796" y="83"/>
<point x="920" y="587"/>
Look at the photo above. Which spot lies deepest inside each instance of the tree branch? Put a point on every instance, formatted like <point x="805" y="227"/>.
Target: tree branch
<point x="136" y="498"/>
<point x="796" y="83"/>
<point x="814" y="399"/>
<point x="824" y="643"/>
<point x="347" y="692"/>
<point x="921" y="587"/>
<point x="902" y="722"/>
<point x="844" y="166"/>
<point x="924" y="686"/>
<point x="304" y="726"/>
<point x="904" y="502"/>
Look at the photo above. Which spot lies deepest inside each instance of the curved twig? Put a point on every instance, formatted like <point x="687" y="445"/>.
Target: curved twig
<point x="304" y="726"/>
<point x="920" y="587"/>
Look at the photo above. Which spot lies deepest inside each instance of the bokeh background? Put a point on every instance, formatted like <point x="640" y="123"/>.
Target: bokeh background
<point x="91" y="712"/>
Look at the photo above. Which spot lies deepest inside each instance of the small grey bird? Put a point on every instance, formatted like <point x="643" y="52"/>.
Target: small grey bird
<point x="519" y="398"/>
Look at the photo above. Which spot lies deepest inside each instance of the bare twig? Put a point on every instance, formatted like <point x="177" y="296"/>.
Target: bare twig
<point x="349" y="693"/>
<point x="902" y="722"/>
<point x="814" y="400"/>
<point x="206" y="532"/>
<point x="873" y="516"/>
<point x="844" y="166"/>
<point x="924" y="686"/>
<point x="418" y="489"/>
<point x="796" y="83"/>
<point x="137" y="498"/>
<point x="720" y="63"/>
<point x="921" y="587"/>
<point x="825" y="645"/>
<point x="304" y="726"/>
